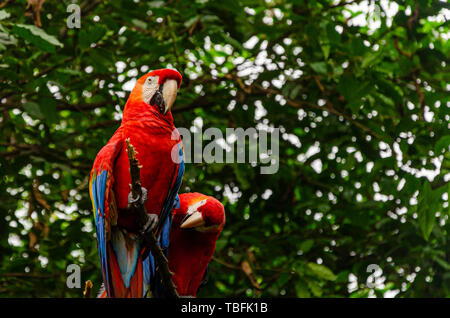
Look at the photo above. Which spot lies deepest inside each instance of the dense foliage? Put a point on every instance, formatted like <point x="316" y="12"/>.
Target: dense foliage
<point x="359" y="90"/>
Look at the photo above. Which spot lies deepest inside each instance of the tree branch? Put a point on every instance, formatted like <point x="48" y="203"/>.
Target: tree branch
<point x="162" y="265"/>
<point x="421" y="98"/>
<point x="87" y="289"/>
<point x="399" y="50"/>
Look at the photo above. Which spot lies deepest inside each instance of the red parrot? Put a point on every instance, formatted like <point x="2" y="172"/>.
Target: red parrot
<point x="196" y="226"/>
<point x="148" y="124"/>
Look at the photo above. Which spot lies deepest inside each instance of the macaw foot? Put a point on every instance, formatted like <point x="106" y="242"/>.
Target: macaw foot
<point x="140" y="199"/>
<point x="146" y="223"/>
<point x="149" y="225"/>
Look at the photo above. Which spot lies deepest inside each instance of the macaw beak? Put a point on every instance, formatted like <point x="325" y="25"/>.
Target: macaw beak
<point x="194" y="220"/>
<point x="169" y="93"/>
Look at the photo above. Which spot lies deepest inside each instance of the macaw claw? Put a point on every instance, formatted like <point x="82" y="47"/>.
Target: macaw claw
<point x="140" y="198"/>
<point x="150" y="225"/>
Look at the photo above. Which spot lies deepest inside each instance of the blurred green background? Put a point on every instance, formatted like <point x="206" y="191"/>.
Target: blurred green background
<point x="359" y="89"/>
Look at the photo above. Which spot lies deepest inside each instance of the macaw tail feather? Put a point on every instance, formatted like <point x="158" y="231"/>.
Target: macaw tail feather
<point x="125" y="261"/>
<point x="102" y="291"/>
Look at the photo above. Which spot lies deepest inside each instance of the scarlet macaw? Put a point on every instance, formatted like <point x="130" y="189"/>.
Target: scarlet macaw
<point x="148" y="123"/>
<point x="196" y="226"/>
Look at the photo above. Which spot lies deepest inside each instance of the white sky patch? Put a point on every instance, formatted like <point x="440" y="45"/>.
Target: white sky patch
<point x="132" y="73"/>
<point x="52" y="88"/>
<point x="78" y="254"/>
<point x="21" y="215"/>
<point x="120" y="66"/>
<point x="430" y="174"/>
<point x="443" y="16"/>
<point x="266" y="195"/>
<point x="233" y="196"/>
<point x="260" y="111"/>
<point x="249" y="11"/>
<point x="207" y="44"/>
<point x="219" y="60"/>
<point x="278" y="49"/>
<point x="352" y="283"/>
<point x="317" y="165"/>
<point x="428" y="115"/>
<point x="88" y="226"/>
<point x="370" y="11"/>
<point x="368" y="17"/>
<point x="128" y="86"/>
<point x="26" y="171"/>
<point x="43" y="260"/>
<point x="65" y="211"/>
<point x="14" y="240"/>
<point x="198" y="122"/>
<point x="250" y="44"/>
<point x="121" y="30"/>
<point x="385" y="150"/>
<point x="293" y="139"/>
<point x="118" y="115"/>
<point x="310" y="152"/>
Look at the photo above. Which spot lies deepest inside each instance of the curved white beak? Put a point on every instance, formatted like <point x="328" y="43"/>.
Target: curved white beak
<point x="169" y="93"/>
<point x="194" y="220"/>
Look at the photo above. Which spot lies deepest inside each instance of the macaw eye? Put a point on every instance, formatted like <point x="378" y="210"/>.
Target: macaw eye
<point x="158" y="100"/>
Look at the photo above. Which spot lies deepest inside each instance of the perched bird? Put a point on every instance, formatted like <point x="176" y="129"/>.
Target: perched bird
<point x="196" y="226"/>
<point x="148" y="124"/>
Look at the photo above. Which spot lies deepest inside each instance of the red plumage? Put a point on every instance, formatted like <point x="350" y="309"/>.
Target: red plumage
<point x="155" y="140"/>
<point x="191" y="250"/>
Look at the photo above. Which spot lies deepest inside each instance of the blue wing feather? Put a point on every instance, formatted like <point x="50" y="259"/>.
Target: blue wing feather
<point x="150" y="275"/>
<point x="168" y="206"/>
<point x="127" y="254"/>
<point x="98" y="191"/>
<point x="128" y="264"/>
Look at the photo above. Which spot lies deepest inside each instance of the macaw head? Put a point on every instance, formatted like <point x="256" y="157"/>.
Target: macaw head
<point x="204" y="214"/>
<point x="157" y="89"/>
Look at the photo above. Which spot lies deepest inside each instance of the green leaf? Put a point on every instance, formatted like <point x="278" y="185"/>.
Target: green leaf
<point x="139" y="23"/>
<point x="353" y="90"/>
<point x="322" y="271"/>
<point x="156" y="4"/>
<point x="442" y="144"/>
<point x="326" y="51"/>
<point x="301" y="289"/>
<point x="305" y="246"/>
<point x="444" y="264"/>
<point x="33" y="110"/>
<point x="319" y="67"/>
<point x="241" y="176"/>
<point x="37" y="36"/>
<point x="426" y="210"/>
<point x="370" y="59"/>
<point x="4" y="15"/>
<point x="284" y="278"/>
<point x="6" y="38"/>
<point x="91" y="35"/>
<point x="191" y="21"/>
<point x="315" y="288"/>
<point x="48" y="110"/>
<point x="232" y="41"/>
